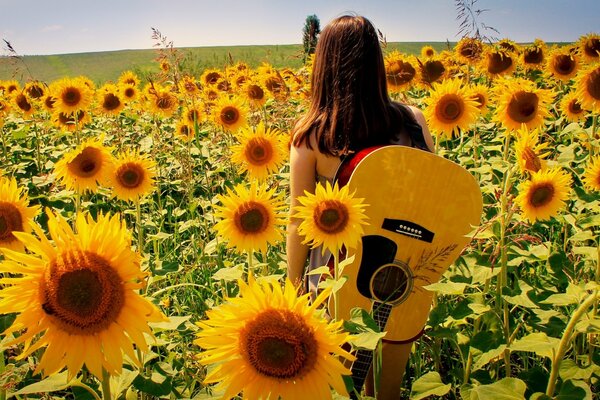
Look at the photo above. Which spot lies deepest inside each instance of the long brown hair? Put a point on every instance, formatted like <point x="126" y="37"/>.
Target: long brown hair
<point x="350" y="106"/>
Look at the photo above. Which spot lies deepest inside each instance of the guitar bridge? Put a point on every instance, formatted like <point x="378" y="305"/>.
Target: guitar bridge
<point x="408" y="228"/>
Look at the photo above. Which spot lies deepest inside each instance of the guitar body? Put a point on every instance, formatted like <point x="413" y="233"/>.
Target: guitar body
<point x="421" y="208"/>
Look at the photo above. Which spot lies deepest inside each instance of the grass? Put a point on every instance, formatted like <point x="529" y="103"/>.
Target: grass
<point x="102" y="67"/>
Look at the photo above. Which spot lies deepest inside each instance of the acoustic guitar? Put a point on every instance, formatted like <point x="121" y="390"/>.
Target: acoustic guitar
<point x="421" y="208"/>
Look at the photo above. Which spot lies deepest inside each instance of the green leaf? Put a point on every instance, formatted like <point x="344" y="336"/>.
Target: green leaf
<point x="573" y="295"/>
<point x="158" y="385"/>
<point x="367" y="340"/>
<point x="570" y="370"/>
<point x="504" y="389"/>
<point x="487" y="357"/>
<point x="52" y="383"/>
<point x="120" y="383"/>
<point x="574" y="390"/>
<point x="451" y="288"/>
<point x="320" y="271"/>
<point x="229" y="274"/>
<point x="427" y="385"/>
<point x="521" y="298"/>
<point x="538" y="342"/>
<point x="172" y="324"/>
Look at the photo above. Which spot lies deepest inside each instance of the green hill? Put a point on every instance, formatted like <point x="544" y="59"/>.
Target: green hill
<point x="107" y="66"/>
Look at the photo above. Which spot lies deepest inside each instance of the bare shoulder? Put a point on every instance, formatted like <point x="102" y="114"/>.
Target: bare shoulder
<point x="420" y="118"/>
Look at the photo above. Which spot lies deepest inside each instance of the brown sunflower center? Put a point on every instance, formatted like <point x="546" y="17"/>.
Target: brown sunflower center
<point x="87" y="163"/>
<point x="275" y="84"/>
<point x="592" y="83"/>
<point x="22" y="102"/>
<point x="575" y="107"/>
<point x="212" y="78"/>
<point x="81" y="292"/>
<point x="251" y="217"/>
<point x="71" y="96"/>
<point x="523" y="106"/>
<point x="35" y="91"/>
<point x="130" y="175"/>
<point x="480" y="99"/>
<point x="255" y="92"/>
<point x="230" y="115"/>
<point x="129" y="92"/>
<point x="400" y="72"/>
<point x="10" y="220"/>
<point x="592" y="47"/>
<point x="164" y="101"/>
<point x="563" y="64"/>
<point x="432" y="71"/>
<point x="49" y="102"/>
<point x="193" y="116"/>
<point x="532" y="161"/>
<point x="534" y="55"/>
<point x="471" y="50"/>
<point x="111" y="102"/>
<point x="279" y="344"/>
<point x="541" y="195"/>
<point x="449" y="108"/>
<point x="498" y="63"/>
<point x="258" y="151"/>
<point x="331" y="216"/>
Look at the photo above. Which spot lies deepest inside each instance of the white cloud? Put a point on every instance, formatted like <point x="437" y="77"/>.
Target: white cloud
<point x="52" y="28"/>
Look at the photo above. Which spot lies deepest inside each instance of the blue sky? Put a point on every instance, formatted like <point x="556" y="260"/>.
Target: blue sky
<point x="73" y="26"/>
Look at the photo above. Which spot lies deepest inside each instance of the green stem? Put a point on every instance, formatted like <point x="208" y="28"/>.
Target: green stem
<point x="566" y="340"/>
<point x="139" y="227"/>
<point x="336" y="276"/>
<point x="105" y="385"/>
<point x="4" y="150"/>
<point x="2" y="365"/>
<point x="38" y="156"/>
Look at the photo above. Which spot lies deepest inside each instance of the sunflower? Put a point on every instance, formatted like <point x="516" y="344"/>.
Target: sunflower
<point x="427" y="51"/>
<point x="129" y="78"/>
<point x="15" y="213"/>
<point x="129" y="92"/>
<point x="591" y="177"/>
<point x="534" y="55"/>
<point x="570" y="108"/>
<point x="589" y="47"/>
<point x="72" y="94"/>
<point x="48" y="102"/>
<point x="587" y="84"/>
<point x="23" y="104"/>
<point x="255" y="93"/>
<point x="193" y="115"/>
<point x="509" y="45"/>
<point x="519" y="102"/>
<point x="132" y="176"/>
<point x="11" y="86"/>
<point x="230" y="113"/>
<point x="4" y="107"/>
<point x="269" y="343"/>
<point x="432" y="70"/>
<point x="544" y="194"/>
<point x="85" y="167"/>
<point x="161" y="100"/>
<point x="77" y="295"/>
<point x="529" y="152"/>
<point x="331" y="217"/>
<point x="35" y="89"/>
<point x="480" y="93"/>
<point x="401" y="71"/>
<point x="69" y="122"/>
<point x="261" y="151"/>
<point x="189" y="87"/>
<point x="469" y="50"/>
<point x="496" y="62"/>
<point x="562" y="64"/>
<point x="450" y="108"/>
<point x="250" y="218"/>
<point x="276" y="85"/>
<point x="109" y="99"/>
<point x="211" y="76"/>
<point x="184" y="130"/>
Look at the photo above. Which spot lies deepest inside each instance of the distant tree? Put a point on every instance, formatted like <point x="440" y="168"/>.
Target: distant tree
<point x="310" y="33"/>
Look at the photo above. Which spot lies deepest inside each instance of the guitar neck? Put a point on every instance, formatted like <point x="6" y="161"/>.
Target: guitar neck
<point x="364" y="358"/>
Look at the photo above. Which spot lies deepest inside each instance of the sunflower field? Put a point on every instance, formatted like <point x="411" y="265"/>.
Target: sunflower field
<point x="142" y="232"/>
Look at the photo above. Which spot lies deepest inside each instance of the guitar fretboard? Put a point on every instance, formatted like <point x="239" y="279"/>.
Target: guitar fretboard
<point x="364" y="358"/>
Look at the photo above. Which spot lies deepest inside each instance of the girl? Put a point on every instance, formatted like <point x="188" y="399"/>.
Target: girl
<point x="350" y="110"/>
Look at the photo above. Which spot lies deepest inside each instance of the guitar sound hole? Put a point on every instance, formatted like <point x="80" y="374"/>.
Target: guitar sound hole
<point x="391" y="283"/>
